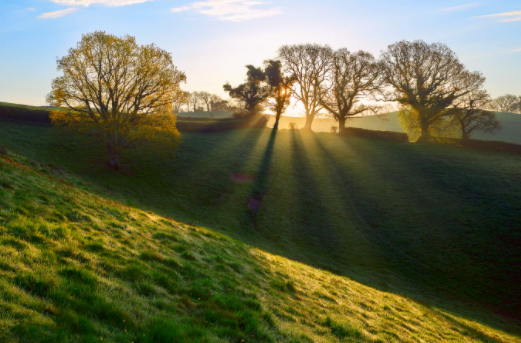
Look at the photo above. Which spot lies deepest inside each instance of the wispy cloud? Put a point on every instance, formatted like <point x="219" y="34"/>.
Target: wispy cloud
<point x="57" y="14"/>
<point x="31" y="9"/>
<point x="232" y="10"/>
<point x="87" y="3"/>
<point x="460" y="8"/>
<point x="517" y="50"/>
<point x="506" y="16"/>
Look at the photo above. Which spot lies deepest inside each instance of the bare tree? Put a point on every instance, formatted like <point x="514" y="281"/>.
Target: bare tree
<point x="507" y="103"/>
<point x="428" y="78"/>
<point x="193" y="101"/>
<point x="353" y="76"/>
<point x="206" y="99"/>
<point x="180" y="101"/>
<point x="309" y="65"/>
<point x="469" y="114"/>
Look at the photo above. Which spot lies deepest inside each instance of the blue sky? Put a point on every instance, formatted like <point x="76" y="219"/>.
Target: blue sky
<point x="212" y="40"/>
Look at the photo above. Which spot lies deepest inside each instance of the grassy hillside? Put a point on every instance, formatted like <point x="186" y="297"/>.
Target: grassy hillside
<point x="78" y="267"/>
<point x="437" y="224"/>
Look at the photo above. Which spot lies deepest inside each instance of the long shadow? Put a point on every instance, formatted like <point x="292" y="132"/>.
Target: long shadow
<point x="465" y="271"/>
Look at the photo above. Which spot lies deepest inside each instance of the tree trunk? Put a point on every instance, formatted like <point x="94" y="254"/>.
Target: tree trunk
<point x="277" y="120"/>
<point x="464" y="136"/>
<point x="425" y="135"/>
<point x="309" y="122"/>
<point x="114" y="163"/>
<point x="341" y="126"/>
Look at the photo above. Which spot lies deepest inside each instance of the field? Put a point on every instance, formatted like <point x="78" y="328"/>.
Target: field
<point x="511" y="123"/>
<point x="435" y="228"/>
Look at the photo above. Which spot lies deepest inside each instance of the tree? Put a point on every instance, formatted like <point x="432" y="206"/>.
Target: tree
<point x="280" y="85"/>
<point x="428" y="78"/>
<point x="469" y="114"/>
<point x="206" y="99"/>
<point x="253" y="93"/>
<point x="309" y="65"/>
<point x="180" y="101"/>
<point x="119" y="91"/>
<point x="507" y="103"/>
<point x="352" y="77"/>
<point x="218" y="104"/>
<point x="193" y="101"/>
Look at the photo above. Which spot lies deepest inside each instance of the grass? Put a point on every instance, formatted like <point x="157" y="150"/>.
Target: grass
<point x="418" y="241"/>
<point x="511" y="123"/>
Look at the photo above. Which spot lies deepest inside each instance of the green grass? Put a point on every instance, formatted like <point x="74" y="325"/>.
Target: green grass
<point x="420" y="241"/>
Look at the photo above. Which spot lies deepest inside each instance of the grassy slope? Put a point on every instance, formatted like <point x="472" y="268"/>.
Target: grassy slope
<point x="510" y="133"/>
<point x="77" y="267"/>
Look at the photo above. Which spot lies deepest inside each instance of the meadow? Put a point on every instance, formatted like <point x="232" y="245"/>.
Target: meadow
<point x="433" y="226"/>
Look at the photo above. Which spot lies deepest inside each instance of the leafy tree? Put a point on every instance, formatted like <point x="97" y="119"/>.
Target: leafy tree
<point x="427" y="78"/>
<point x="352" y="77"/>
<point x="441" y="129"/>
<point x="253" y="93"/>
<point x="280" y="85"/>
<point x="469" y="115"/>
<point x="119" y="91"/>
<point x="309" y="65"/>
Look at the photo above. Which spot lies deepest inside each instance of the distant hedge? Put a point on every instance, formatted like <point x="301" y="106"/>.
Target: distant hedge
<point x="375" y="134"/>
<point x="24" y="114"/>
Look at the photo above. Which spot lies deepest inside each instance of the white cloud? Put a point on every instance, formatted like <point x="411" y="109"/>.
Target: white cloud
<point x="31" y="9"/>
<point x="507" y="16"/>
<point x="232" y="10"/>
<point x="57" y="14"/>
<point x="180" y="9"/>
<point x="87" y="3"/>
<point x="460" y="8"/>
<point x="517" y="50"/>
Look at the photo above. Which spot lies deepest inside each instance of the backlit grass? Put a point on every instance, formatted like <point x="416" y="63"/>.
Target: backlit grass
<point x="77" y="267"/>
<point x="437" y="225"/>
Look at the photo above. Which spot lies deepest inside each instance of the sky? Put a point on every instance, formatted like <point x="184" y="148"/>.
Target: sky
<point x="213" y="40"/>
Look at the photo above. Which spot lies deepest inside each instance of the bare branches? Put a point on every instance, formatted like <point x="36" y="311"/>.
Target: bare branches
<point x="352" y="77"/>
<point x="309" y="65"/>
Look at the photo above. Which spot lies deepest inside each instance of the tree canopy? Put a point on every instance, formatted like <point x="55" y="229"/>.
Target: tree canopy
<point x="428" y="78"/>
<point x="352" y="77"/>
<point x="120" y="91"/>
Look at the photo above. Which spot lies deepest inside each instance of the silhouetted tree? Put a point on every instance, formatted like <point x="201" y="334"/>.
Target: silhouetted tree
<point x="193" y="101"/>
<point x="469" y="114"/>
<point x="118" y="90"/>
<point x="206" y="99"/>
<point x="352" y="76"/>
<point x="428" y="78"/>
<point x="253" y="93"/>
<point x="280" y="89"/>
<point x="308" y="64"/>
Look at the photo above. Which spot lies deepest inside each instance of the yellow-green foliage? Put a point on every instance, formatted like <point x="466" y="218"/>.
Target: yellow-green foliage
<point x="442" y="128"/>
<point x="75" y="267"/>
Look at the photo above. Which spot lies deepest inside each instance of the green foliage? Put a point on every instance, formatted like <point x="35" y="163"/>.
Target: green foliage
<point x="442" y="128"/>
